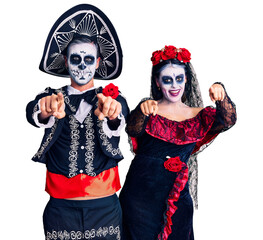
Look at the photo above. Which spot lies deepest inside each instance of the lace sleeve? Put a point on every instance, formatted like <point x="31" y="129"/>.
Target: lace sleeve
<point x="225" y="118"/>
<point x="136" y="121"/>
<point x="225" y="114"/>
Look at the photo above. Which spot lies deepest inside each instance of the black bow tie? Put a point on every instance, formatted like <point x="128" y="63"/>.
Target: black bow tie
<point x="75" y="99"/>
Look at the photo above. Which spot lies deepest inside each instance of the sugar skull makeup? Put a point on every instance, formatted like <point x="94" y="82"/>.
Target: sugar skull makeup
<point x="82" y="62"/>
<point x="172" y="82"/>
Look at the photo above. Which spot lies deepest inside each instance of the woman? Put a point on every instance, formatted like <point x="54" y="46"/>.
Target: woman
<point x="167" y="132"/>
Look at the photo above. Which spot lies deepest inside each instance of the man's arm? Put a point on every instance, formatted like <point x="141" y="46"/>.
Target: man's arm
<point x="113" y="112"/>
<point x="41" y="112"/>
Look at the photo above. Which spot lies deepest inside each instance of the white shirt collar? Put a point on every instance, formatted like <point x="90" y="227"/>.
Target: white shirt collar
<point x="72" y="90"/>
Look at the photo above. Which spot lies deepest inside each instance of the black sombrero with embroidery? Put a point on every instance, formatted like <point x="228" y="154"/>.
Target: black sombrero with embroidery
<point x="83" y="21"/>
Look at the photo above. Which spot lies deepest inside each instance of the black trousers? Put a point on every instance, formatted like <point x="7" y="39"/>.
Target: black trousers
<point x="89" y="219"/>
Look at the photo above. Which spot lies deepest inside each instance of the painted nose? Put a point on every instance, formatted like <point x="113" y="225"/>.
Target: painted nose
<point x="173" y="84"/>
<point x="82" y="66"/>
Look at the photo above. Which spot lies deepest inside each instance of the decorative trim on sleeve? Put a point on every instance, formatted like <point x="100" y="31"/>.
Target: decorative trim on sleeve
<point x="47" y="141"/>
<point x="117" y="132"/>
<point x="37" y="111"/>
<point x="105" y="142"/>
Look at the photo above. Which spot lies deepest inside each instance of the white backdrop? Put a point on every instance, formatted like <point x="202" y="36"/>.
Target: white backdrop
<point x="225" y="39"/>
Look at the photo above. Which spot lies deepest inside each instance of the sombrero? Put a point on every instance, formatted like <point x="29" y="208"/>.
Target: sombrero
<point x="90" y="22"/>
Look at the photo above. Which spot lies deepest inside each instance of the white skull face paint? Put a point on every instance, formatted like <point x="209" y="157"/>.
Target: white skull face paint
<point x="172" y="82"/>
<point x="82" y="62"/>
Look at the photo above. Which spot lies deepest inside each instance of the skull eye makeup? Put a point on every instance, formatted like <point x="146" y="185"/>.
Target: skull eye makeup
<point x="180" y="78"/>
<point x="167" y="80"/>
<point x="75" y="59"/>
<point x="89" y="60"/>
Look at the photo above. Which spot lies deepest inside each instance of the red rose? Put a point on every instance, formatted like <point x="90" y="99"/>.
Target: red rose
<point x="184" y="55"/>
<point x="169" y="52"/>
<point x="173" y="164"/>
<point x="111" y="90"/>
<point x="156" y="57"/>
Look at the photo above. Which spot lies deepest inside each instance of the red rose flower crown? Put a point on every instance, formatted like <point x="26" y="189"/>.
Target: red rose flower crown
<point x="171" y="52"/>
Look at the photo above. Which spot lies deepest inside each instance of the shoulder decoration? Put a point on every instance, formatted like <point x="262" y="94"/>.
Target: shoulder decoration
<point x="184" y="132"/>
<point x="83" y="20"/>
<point x="111" y="91"/>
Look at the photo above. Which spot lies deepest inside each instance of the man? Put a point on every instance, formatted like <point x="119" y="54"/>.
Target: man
<point x="82" y="127"/>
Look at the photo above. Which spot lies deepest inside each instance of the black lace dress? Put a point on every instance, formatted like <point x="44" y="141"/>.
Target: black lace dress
<point x="155" y="198"/>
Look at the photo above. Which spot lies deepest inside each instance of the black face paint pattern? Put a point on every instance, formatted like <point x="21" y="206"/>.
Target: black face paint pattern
<point x="180" y="78"/>
<point x="89" y="59"/>
<point x="169" y="80"/>
<point x="76" y="59"/>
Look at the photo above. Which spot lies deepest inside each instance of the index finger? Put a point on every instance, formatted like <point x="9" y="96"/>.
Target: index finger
<point x="42" y="104"/>
<point x="60" y="97"/>
<point x="101" y="97"/>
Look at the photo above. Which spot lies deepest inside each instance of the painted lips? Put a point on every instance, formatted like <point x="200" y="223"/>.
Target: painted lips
<point x="83" y="73"/>
<point x="174" y="93"/>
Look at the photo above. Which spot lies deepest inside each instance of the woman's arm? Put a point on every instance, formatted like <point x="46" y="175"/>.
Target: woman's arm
<point x="225" y="112"/>
<point x="137" y="120"/>
<point x="225" y="116"/>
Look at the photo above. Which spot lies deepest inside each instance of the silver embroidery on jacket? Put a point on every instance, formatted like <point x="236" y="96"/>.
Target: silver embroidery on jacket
<point x="105" y="141"/>
<point x="47" y="141"/>
<point x="35" y="109"/>
<point x="74" y="146"/>
<point x="89" y="155"/>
